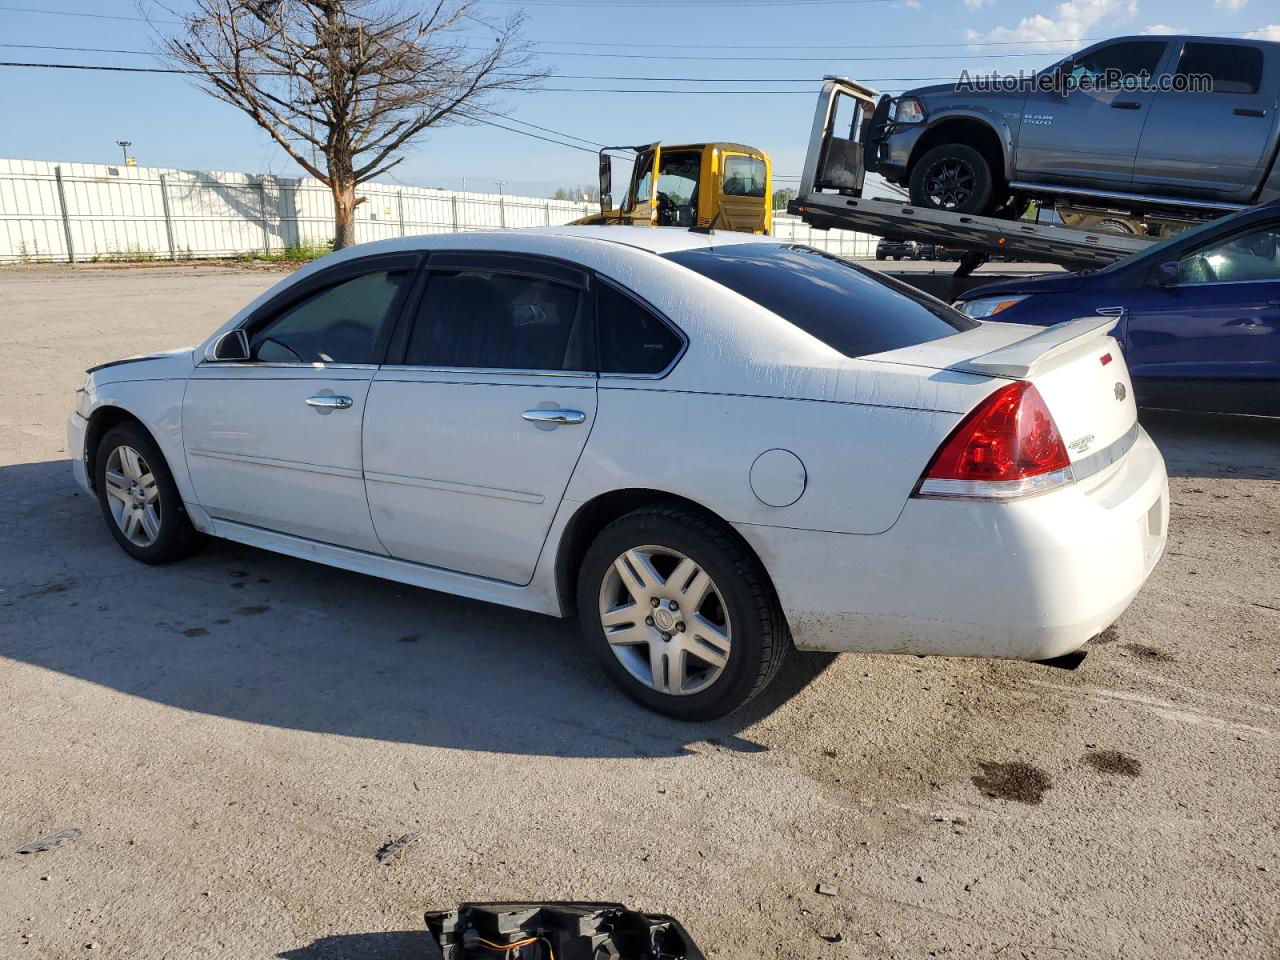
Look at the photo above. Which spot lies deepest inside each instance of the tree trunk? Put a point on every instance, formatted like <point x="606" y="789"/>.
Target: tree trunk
<point x="344" y="208"/>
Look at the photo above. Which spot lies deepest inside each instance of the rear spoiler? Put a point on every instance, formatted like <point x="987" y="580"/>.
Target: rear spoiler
<point x="1041" y="351"/>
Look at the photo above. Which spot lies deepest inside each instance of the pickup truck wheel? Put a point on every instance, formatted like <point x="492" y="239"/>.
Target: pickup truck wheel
<point x="952" y="177"/>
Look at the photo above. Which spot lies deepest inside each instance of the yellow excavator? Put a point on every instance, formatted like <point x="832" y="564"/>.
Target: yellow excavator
<point x="693" y="185"/>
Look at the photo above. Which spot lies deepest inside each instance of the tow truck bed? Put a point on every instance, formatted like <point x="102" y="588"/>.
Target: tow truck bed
<point x="830" y="195"/>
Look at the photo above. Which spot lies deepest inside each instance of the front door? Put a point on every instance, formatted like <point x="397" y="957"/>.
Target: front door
<point x="1220" y="322"/>
<point x="1089" y="135"/>
<point x="274" y="441"/>
<point x="474" y="427"/>
<point x="1213" y="141"/>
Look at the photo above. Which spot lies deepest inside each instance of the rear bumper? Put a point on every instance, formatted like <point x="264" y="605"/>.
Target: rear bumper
<point x="77" y="427"/>
<point x="1028" y="580"/>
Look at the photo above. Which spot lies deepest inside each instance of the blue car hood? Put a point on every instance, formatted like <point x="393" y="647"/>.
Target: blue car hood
<point x="1044" y="283"/>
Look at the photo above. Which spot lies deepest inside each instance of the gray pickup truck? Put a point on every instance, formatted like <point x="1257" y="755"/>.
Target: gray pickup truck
<point x="1108" y="151"/>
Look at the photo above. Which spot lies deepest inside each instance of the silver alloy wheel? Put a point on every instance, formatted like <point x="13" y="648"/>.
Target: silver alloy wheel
<point x="665" y="620"/>
<point x="133" y="496"/>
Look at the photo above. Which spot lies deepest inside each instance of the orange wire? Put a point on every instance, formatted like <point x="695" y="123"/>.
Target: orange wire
<point x="507" y="947"/>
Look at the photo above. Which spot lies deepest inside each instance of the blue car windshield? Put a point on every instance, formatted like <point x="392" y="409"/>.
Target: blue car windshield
<point x="1165" y="242"/>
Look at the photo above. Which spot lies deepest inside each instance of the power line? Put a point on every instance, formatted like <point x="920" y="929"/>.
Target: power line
<point x="862" y="46"/>
<point x="81" y="13"/>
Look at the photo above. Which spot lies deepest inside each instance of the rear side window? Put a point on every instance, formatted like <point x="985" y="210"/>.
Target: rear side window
<point x="500" y="321"/>
<point x="743" y="176"/>
<point x="1234" y="68"/>
<point x="852" y="310"/>
<point x="633" y="339"/>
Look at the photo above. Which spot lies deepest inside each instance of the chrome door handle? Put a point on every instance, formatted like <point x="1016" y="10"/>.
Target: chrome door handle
<point x="329" y="403"/>
<point x="554" y="416"/>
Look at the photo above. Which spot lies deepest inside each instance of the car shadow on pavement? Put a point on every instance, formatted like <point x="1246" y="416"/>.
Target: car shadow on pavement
<point x="1216" y="445"/>
<point x="253" y="636"/>
<point x="394" y="945"/>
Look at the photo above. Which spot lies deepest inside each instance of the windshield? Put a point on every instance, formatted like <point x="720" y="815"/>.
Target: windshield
<point x="850" y="309"/>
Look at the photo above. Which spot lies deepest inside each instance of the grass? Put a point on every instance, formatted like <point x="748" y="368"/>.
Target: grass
<point x="300" y="254"/>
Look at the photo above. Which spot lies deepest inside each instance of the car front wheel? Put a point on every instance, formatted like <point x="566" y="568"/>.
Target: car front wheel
<point x="953" y="177"/>
<point x="139" y="499"/>
<point x="682" y="617"/>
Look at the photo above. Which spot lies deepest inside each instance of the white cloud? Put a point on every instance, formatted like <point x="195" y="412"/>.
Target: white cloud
<point x="1160" y="28"/>
<point x="978" y="4"/>
<point x="1230" y="4"/>
<point x="1270" y="32"/>
<point x="1064" y="26"/>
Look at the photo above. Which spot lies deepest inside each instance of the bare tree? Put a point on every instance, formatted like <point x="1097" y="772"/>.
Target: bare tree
<point x="357" y="80"/>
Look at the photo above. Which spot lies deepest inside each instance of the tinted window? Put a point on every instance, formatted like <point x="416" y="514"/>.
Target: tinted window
<point x="632" y="338"/>
<point x="1234" y="68"/>
<point x="477" y="318"/>
<point x="1129" y="58"/>
<point x="848" y="308"/>
<point x="339" y="324"/>
<point x="743" y="176"/>
<point x="1248" y="256"/>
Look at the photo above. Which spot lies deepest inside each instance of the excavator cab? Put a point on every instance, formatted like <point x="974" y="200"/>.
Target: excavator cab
<point x="724" y="185"/>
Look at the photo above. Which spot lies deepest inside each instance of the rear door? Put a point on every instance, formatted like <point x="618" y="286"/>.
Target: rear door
<point x="743" y="193"/>
<point x="474" y="426"/>
<point x="1214" y="141"/>
<point x="1089" y="135"/>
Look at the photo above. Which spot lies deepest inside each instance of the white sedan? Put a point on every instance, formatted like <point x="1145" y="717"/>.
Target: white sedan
<point x="708" y="447"/>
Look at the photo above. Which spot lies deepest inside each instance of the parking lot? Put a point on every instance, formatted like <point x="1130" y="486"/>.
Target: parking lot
<point x="236" y="737"/>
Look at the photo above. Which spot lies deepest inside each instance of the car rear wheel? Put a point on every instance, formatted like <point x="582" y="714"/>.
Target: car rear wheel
<point x="953" y="177"/>
<point x="682" y="617"/>
<point x="139" y="499"/>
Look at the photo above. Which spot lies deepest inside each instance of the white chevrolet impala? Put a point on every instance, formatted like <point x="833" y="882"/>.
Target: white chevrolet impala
<point x="708" y="447"/>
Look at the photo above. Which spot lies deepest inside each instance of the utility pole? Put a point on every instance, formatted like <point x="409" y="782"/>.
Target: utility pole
<point x="124" y="146"/>
<point x="501" y="184"/>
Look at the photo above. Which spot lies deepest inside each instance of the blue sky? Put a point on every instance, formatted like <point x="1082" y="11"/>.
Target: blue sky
<point x="893" y="44"/>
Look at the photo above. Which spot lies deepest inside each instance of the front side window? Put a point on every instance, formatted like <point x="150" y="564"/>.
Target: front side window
<point x="1232" y="68"/>
<point x="339" y="324"/>
<point x="1254" y="255"/>
<point x="855" y="311"/>
<point x="743" y="176"/>
<point x="500" y="321"/>
<point x="633" y="339"/>
<point x="1128" y="59"/>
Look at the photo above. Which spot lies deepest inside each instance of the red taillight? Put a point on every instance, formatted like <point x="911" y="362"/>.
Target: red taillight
<point x="1008" y="447"/>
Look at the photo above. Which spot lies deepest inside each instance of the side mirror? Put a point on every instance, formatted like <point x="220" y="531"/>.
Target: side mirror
<point x="606" y="182"/>
<point x="232" y="345"/>
<point x="1166" y="274"/>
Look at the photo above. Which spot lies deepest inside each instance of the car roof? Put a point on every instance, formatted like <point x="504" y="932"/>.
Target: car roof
<point x="653" y="239"/>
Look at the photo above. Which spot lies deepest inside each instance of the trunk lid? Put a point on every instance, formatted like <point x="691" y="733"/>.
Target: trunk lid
<point x="1076" y="366"/>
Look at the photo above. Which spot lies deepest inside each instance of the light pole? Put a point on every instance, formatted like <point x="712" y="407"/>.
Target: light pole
<point x="124" y="146"/>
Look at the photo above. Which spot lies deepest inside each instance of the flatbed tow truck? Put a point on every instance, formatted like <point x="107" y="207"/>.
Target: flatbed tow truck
<point x="830" y="196"/>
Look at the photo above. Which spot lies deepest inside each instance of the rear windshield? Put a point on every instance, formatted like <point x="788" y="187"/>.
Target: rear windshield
<point x="847" y="307"/>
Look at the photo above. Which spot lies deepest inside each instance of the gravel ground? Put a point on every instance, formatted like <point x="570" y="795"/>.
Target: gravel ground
<point x="236" y="736"/>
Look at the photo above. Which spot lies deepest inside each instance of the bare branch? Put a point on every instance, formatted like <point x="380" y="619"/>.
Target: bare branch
<point x="358" y="80"/>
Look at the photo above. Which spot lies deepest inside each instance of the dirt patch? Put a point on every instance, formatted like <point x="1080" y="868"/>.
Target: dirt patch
<point x="1145" y="652"/>
<point x="1113" y="761"/>
<point x="1018" y="781"/>
<point x="412" y="638"/>
<point x="252" y="611"/>
<point x="45" y="589"/>
<point x="1109" y="635"/>
<point x="195" y="632"/>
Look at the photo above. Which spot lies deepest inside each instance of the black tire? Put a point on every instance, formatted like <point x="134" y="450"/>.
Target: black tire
<point x="953" y="177"/>
<point x="176" y="537"/>
<point x="758" y="629"/>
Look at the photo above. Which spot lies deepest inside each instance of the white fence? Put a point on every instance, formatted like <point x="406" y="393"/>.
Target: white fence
<point x="77" y="212"/>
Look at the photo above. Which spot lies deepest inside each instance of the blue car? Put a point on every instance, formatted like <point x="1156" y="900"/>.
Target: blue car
<point x="1198" y="314"/>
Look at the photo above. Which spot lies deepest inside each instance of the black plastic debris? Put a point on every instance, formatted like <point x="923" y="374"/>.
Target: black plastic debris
<point x="558" y="930"/>
<point x="48" y="843"/>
